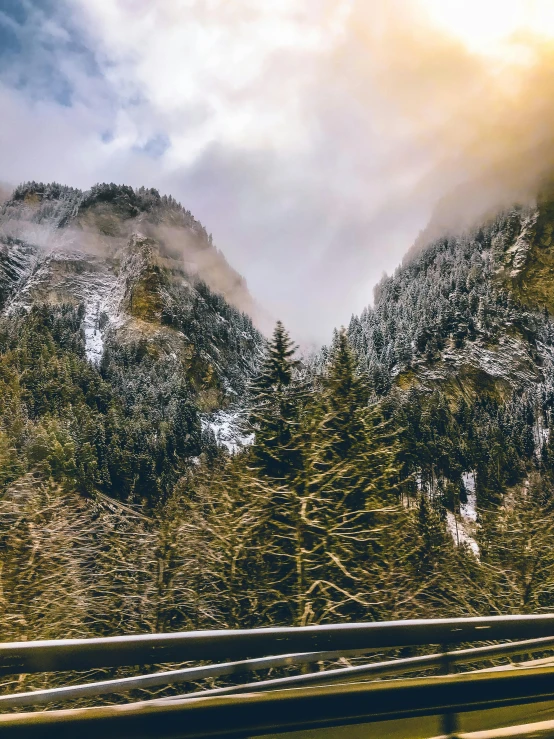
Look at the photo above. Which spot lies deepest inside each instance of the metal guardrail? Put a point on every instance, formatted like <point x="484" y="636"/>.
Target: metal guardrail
<point x="390" y="668"/>
<point x="283" y="711"/>
<point x="190" y="674"/>
<point x="267" y="707"/>
<point x="84" y="654"/>
<point x="169" y="677"/>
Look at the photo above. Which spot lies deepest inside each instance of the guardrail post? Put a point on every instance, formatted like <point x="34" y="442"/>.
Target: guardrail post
<point x="449" y="720"/>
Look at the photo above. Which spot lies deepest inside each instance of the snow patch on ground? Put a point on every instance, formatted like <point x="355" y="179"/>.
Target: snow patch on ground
<point x="468" y="511"/>
<point x="540" y="436"/>
<point x="227" y="429"/>
<point x="94" y="341"/>
<point x="102" y="298"/>
<point x="462" y="527"/>
<point x="459" y="533"/>
<point x="96" y="291"/>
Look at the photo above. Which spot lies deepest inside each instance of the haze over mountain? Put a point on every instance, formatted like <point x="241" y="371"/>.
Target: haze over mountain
<point x="316" y="142"/>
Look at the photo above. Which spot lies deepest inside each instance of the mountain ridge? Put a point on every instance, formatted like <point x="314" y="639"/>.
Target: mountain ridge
<point x="473" y="305"/>
<point x="131" y="258"/>
<point x="102" y="219"/>
<point x="122" y="273"/>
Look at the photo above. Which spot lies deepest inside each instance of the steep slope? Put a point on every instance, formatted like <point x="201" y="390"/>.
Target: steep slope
<point x="142" y="268"/>
<point x="468" y="313"/>
<point x="125" y="348"/>
<point x="460" y="346"/>
<point x="17" y="259"/>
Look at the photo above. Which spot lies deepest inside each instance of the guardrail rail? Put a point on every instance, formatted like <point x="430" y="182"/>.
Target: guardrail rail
<point x="327" y="696"/>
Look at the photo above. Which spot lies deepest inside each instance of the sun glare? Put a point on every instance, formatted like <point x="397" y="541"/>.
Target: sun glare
<point x="486" y="26"/>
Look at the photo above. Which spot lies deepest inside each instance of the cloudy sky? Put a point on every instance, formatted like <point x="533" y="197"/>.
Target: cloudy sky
<point x="313" y="139"/>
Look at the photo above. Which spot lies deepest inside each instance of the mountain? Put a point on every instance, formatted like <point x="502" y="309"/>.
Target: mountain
<point x="469" y="313"/>
<point x="128" y="284"/>
<point x="406" y="471"/>
<point x="460" y="343"/>
<point x="139" y="264"/>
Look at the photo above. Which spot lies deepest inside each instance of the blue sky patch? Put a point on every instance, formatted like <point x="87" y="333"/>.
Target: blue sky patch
<point x="107" y="136"/>
<point x="156" y="146"/>
<point x="16" y="10"/>
<point x="9" y="34"/>
<point x="41" y="52"/>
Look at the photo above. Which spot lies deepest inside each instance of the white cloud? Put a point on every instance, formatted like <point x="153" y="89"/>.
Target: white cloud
<point x="232" y="73"/>
<point x="312" y="139"/>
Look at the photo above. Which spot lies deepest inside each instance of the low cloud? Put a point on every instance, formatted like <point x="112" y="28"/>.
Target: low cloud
<point x="314" y="143"/>
<point x="474" y="130"/>
<point x="178" y="247"/>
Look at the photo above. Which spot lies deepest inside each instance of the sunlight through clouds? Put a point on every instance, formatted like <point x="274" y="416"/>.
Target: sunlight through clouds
<point x="490" y="26"/>
<point x="315" y="140"/>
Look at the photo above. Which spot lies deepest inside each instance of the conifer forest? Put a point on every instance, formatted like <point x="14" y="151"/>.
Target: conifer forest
<point x="165" y="466"/>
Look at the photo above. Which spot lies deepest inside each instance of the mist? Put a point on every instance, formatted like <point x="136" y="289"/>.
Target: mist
<point x="209" y="265"/>
<point x="5" y="192"/>
<point x="177" y="247"/>
<point x="464" y="132"/>
<point x="317" y="143"/>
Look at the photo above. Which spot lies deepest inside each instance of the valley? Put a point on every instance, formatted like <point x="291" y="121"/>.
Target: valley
<point x="165" y="466"/>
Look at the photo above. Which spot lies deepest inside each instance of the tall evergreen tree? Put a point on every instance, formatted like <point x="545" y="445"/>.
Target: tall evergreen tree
<point x="354" y="450"/>
<point x="275" y="412"/>
<point x="342" y="497"/>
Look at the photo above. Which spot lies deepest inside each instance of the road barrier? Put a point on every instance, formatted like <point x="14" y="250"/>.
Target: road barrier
<point x="289" y="703"/>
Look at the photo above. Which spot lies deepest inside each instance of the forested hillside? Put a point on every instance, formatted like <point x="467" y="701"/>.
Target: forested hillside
<point x="162" y="466"/>
<point x="461" y="338"/>
<point x="106" y="301"/>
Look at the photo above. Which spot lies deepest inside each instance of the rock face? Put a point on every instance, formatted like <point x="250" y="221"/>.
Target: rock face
<point x="527" y="265"/>
<point x="141" y="268"/>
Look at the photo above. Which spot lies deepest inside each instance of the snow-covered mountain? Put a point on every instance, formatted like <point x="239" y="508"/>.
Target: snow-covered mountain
<point x="460" y="342"/>
<point x="141" y="268"/>
<point x="468" y="313"/>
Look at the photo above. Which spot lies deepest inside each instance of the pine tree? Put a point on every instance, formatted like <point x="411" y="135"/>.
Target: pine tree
<point x="275" y="413"/>
<point x="354" y="450"/>
<point x="345" y="392"/>
<point x="344" y="497"/>
<point x="517" y="546"/>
